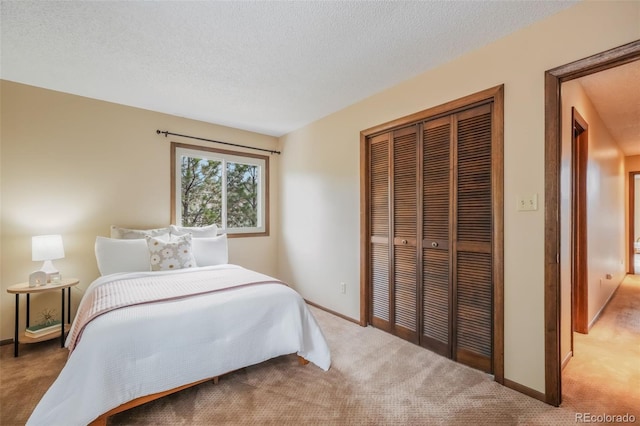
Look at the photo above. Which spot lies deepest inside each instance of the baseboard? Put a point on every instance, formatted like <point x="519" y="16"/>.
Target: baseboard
<point x="6" y="342"/>
<point x="344" y="317"/>
<point x="525" y="390"/>
<point x="597" y="316"/>
<point x="566" y="360"/>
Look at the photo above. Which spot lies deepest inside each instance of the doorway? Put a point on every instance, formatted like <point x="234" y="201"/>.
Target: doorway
<point x="552" y="293"/>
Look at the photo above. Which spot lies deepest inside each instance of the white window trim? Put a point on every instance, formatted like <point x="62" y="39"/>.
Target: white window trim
<point x="181" y="150"/>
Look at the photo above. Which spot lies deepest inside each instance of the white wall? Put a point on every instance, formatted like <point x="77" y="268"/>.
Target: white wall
<point x="74" y="166"/>
<point x="319" y="185"/>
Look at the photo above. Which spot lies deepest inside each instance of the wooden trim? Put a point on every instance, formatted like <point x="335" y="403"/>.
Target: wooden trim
<point x="553" y="78"/>
<point x="632" y="213"/>
<point x="364" y="232"/>
<point x="524" y="390"/>
<point x="450" y="107"/>
<point x="339" y="315"/>
<point x="6" y="342"/>
<point x="599" y="62"/>
<point x="102" y="420"/>
<point x="497" y="189"/>
<point x="172" y="183"/>
<point x="173" y="195"/>
<point x="553" y="391"/>
<point x="579" y="256"/>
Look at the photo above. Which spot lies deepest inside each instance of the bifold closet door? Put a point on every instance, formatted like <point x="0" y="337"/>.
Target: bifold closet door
<point x="430" y="223"/>
<point x="436" y="264"/>
<point x="405" y="228"/>
<point x="379" y="219"/>
<point x="472" y="275"/>
<point x="393" y="217"/>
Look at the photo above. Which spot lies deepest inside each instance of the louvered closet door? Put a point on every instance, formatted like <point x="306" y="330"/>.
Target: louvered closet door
<point x="404" y="288"/>
<point x="379" y="187"/>
<point x="436" y="200"/>
<point x="473" y="284"/>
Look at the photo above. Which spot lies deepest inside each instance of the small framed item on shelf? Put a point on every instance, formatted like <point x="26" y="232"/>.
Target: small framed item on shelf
<point x="37" y="278"/>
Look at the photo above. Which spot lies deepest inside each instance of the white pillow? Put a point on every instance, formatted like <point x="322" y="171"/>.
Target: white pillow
<point x="210" y="251"/>
<point x="132" y="234"/>
<point x="195" y="231"/>
<point x="115" y="255"/>
<point x="167" y="256"/>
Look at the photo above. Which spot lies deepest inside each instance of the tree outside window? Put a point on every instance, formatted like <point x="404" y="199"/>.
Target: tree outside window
<point x="222" y="187"/>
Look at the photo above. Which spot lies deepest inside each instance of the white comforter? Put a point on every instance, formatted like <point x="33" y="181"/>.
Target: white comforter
<point x="144" y="349"/>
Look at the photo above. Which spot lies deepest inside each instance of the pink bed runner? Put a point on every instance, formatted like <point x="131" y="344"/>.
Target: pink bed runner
<point x="117" y="294"/>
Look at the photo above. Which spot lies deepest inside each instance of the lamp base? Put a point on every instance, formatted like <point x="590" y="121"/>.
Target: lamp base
<point x="51" y="271"/>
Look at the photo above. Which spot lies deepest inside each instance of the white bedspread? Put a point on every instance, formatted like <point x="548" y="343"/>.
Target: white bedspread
<point x="144" y="349"/>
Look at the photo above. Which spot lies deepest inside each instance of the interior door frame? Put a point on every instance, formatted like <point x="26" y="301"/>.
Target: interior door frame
<point x="579" y="228"/>
<point x="553" y="142"/>
<point x="632" y="213"/>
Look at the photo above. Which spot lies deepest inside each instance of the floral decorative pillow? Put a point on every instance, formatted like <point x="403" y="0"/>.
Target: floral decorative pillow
<point x="169" y="255"/>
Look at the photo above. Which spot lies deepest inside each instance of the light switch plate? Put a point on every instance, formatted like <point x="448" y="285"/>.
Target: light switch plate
<point x="527" y="202"/>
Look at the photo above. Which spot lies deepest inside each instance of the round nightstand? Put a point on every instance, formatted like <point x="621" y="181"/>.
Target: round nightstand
<point x="23" y="288"/>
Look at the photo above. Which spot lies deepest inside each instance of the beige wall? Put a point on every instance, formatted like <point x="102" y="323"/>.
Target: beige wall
<point x="319" y="184"/>
<point x="74" y="166"/>
<point x="606" y="232"/>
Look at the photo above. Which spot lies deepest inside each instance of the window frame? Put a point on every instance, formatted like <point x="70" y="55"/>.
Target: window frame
<point x="178" y="150"/>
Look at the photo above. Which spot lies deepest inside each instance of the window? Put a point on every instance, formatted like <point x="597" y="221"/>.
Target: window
<point x="223" y="187"/>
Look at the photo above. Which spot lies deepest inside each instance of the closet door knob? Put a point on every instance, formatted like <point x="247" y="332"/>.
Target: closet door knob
<point x="434" y="244"/>
<point x="404" y="242"/>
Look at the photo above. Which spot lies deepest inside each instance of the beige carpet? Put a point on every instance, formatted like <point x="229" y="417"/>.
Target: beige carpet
<point x="375" y="379"/>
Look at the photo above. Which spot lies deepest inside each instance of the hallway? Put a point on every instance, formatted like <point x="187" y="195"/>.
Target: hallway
<point x="603" y="377"/>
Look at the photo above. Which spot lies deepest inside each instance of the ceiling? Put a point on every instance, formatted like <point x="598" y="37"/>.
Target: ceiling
<point x="615" y="94"/>
<point x="265" y="66"/>
<point x="269" y="66"/>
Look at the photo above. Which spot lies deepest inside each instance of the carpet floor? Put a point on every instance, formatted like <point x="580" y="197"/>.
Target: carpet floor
<point x="603" y="377"/>
<point x="375" y="379"/>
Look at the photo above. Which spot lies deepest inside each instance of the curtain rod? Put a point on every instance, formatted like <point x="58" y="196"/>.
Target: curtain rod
<point x="166" y="133"/>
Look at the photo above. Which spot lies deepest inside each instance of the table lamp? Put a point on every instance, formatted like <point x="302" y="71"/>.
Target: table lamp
<point x="47" y="248"/>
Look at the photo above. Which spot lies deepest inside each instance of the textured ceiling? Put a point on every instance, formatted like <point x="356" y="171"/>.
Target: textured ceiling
<point x="266" y="66"/>
<point x="615" y="94"/>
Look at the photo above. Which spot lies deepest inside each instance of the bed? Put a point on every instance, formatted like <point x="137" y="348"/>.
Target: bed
<point x="194" y="330"/>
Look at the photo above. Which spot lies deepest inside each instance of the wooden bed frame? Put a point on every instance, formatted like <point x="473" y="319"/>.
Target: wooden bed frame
<point x="102" y="420"/>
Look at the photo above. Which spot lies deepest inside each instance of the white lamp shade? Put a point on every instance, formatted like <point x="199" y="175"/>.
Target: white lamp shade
<point x="47" y="247"/>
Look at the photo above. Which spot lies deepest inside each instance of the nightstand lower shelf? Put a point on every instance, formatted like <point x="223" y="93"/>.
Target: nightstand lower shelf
<point x="52" y="335"/>
<point x="23" y="288"/>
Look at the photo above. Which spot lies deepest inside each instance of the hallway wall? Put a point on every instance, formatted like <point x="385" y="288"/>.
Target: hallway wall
<point x="605" y="211"/>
